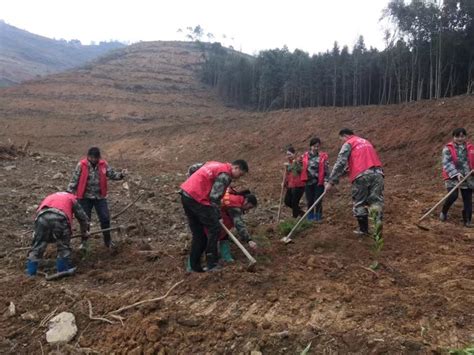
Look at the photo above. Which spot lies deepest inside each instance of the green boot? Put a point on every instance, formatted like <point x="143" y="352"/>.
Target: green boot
<point x="224" y="249"/>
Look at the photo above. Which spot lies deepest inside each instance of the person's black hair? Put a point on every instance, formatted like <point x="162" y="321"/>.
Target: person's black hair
<point x="242" y="164"/>
<point x="93" y="152"/>
<point x="291" y="149"/>
<point x="314" y="141"/>
<point x="242" y="193"/>
<point x="252" y="199"/>
<point x="346" y="131"/>
<point x="458" y="131"/>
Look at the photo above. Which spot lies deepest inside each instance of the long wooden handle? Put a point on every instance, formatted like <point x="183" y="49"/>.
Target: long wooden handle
<point x="288" y="237"/>
<point x="281" y="195"/>
<point x="446" y="196"/>
<point x="237" y="242"/>
<point x="103" y="230"/>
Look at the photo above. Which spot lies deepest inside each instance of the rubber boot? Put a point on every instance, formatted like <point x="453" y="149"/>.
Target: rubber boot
<point x="107" y="240"/>
<point x="188" y="265"/>
<point x="363" y="226"/>
<point x="318" y="217"/>
<point x="31" y="267"/>
<point x="62" y="264"/>
<point x="310" y="216"/>
<point x="224" y="251"/>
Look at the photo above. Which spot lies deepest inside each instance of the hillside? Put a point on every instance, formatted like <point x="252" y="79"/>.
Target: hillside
<point x="25" y="56"/>
<point x="145" y="107"/>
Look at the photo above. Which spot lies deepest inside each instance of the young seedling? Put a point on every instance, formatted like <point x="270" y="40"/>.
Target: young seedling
<point x="377" y="236"/>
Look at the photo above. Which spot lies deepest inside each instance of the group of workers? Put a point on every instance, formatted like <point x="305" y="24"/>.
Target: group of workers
<point x="209" y="202"/>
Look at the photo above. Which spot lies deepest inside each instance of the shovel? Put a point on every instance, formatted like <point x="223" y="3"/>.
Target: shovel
<point x="251" y="265"/>
<point x="441" y="201"/>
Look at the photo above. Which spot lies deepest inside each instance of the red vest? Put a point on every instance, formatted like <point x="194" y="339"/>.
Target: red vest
<point x="293" y="180"/>
<point x="363" y="156"/>
<point x="199" y="185"/>
<point x="229" y="200"/>
<point x="62" y="201"/>
<point x="323" y="157"/>
<point x="454" y="155"/>
<point x="81" y="188"/>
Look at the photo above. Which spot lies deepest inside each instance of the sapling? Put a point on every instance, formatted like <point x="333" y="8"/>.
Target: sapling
<point x="377" y="235"/>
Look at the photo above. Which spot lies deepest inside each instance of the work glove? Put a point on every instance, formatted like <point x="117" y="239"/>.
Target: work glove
<point x="252" y="244"/>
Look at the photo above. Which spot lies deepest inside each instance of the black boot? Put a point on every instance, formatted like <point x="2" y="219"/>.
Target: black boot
<point x="363" y="226"/>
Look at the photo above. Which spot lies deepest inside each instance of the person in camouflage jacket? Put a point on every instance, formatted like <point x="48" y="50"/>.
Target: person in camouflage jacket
<point x="458" y="161"/>
<point x="89" y="183"/>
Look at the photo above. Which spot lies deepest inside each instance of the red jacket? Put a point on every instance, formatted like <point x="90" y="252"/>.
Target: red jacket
<point x="454" y="155"/>
<point x="323" y="157"/>
<point x="229" y="200"/>
<point x="199" y="184"/>
<point x="293" y="180"/>
<point x="62" y="201"/>
<point x="363" y="156"/>
<point x="82" y="185"/>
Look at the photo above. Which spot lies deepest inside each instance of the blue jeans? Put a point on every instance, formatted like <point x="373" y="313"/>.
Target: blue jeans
<point x="102" y="210"/>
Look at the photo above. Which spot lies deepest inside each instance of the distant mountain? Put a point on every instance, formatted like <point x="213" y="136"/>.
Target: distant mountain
<point x="25" y="56"/>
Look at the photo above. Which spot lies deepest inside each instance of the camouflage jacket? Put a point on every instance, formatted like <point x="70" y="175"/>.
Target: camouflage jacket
<point x="313" y="169"/>
<point x="341" y="165"/>
<point x="93" y="186"/>
<point x="236" y="215"/>
<point x="461" y="167"/>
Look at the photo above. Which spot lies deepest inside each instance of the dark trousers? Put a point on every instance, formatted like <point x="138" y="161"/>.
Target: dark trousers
<point x="292" y="199"/>
<point x="201" y="217"/>
<point x="467" y="201"/>
<point x="102" y="210"/>
<point x="313" y="192"/>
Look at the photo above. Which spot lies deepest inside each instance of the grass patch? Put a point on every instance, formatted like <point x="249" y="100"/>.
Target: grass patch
<point x="469" y="350"/>
<point x="287" y="225"/>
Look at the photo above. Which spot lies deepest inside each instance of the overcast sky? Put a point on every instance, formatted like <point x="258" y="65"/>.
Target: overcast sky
<point x="310" y="25"/>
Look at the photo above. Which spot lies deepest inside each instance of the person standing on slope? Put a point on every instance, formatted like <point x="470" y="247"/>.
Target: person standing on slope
<point x="89" y="183"/>
<point x="359" y="158"/>
<point x="458" y="162"/>
<point x="314" y="174"/>
<point x="293" y="183"/>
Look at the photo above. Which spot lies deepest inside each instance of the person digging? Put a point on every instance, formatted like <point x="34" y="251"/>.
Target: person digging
<point x="53" y="224"/>
<point x="458" y="162"/>
<point x="201" y="196"/>
<point x="359" y="158"/>
<point x="89" y="183"/>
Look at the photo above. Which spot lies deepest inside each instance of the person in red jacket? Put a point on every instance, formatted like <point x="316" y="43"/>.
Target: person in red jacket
<point x="293" y="183"/>
<point x="314" y="174"/>
<point x="89" y="183"/>
<point x="234" y="206"/>
<point x="201" y="196"/>
<point x="359" y="158"/>
<point x="53" y="224"/>
<point x="458" y="162"/>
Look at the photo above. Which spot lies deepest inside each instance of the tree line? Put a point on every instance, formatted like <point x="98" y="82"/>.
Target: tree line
<point x="428" y="55"/>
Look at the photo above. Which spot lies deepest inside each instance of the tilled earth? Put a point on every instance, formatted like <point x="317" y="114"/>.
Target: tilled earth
<point x="148" y="113"/>
<point x="316" y="290"/>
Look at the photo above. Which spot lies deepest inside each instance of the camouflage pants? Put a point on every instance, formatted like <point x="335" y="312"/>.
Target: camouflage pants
<point x="367" y="192"/>
<point x="50" y="227"/>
